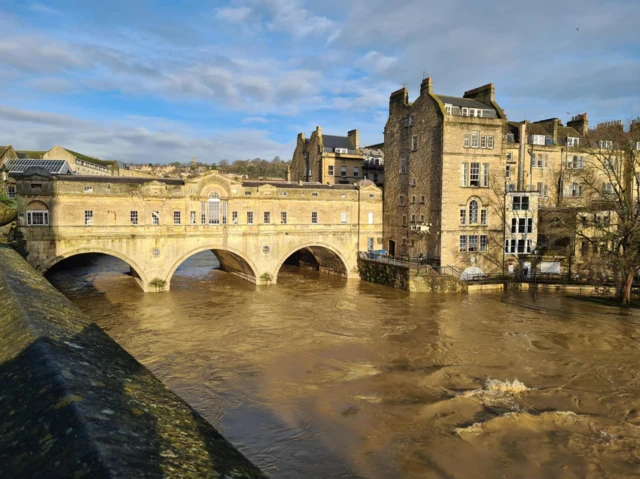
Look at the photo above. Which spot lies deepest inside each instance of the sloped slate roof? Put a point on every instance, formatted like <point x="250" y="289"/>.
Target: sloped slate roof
<point x="331" y="141"/>
<point x="90" y="159"/>
<point x="52" y="166"/>
<point x="464" y="102"/>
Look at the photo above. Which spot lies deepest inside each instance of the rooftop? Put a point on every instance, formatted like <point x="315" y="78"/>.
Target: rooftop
<point x="292" y="184"/>
<point x="459" y="102"/>
<point x="332" y="141"/>
<point x="52" y="166"/>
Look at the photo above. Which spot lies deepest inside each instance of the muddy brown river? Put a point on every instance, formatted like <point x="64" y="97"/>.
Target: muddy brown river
<point x="319" y="377"/>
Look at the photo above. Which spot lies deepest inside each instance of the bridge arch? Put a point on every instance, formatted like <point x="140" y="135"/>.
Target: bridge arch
<point x="330" y="260"/>
<point x="231" y="260"/>
<point x="138" y="272"/>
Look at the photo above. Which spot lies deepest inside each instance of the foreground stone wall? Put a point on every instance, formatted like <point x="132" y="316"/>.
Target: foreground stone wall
<point x="75" y="404"/>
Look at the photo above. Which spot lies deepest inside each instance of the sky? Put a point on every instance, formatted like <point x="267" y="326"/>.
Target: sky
<point x="162" y="81"/>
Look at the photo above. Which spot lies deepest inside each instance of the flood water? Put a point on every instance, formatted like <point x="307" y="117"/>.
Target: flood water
<point x="320" y="377"/>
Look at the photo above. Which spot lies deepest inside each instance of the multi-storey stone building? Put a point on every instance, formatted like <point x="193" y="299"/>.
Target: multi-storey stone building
<point x="330" y="159"/>
<point x="445" y="177"/>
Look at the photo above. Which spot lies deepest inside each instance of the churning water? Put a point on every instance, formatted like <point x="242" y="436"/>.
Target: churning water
<point x="319" y="377"/>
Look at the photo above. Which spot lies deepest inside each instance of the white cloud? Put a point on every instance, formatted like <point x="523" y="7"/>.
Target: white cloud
<point x="40" y="8"/>
<point x="289" y="16"/>
<point x="231" y="14"/>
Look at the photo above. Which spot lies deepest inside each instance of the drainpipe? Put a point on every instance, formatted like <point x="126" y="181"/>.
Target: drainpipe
<point x="523" y="140"/>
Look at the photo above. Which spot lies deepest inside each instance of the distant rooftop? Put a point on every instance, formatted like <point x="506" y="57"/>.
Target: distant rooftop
<point x="55" y="167"/>
<point x="293" y="184"/>
<point x="458" y="103"/>
<point x="332" y="141"/>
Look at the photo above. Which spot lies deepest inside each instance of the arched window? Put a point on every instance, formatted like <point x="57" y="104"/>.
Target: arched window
<point x="37" y="214"/>
<point x="473" y="212"/>
<point x="217" y="209"/>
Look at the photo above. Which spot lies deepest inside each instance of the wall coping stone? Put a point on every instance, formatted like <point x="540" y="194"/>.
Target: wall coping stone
<point x="76" y="404"/>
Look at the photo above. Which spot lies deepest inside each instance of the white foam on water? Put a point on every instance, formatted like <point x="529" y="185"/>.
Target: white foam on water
<point x="498" y="393"/>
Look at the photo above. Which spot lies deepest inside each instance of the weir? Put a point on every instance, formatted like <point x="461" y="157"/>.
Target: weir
<point x="75" y="404"/>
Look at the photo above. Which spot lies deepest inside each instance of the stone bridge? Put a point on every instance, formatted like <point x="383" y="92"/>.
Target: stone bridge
<point x="154" y="225"/>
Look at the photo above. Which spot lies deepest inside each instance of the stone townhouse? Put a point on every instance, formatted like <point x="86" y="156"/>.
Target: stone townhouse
<point x="328" y="159"/>
<point x="445" y="178"/>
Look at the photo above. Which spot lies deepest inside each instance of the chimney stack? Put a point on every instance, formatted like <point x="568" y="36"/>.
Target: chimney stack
<point x="354" y="136"/>
<point x="426" y="86"/>
<point x="580" y="123"/>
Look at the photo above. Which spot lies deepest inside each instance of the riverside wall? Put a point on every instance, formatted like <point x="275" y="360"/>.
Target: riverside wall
<point x="75" y="404"/>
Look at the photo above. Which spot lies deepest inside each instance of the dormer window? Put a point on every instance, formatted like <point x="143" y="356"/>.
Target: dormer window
<point x="449" y="108"/>
<point x="465" y="112"/>
<point x="537" y="139"/>
<point x="572" y="141"/>
<point x="340" y="150"/>
<point x="605" y="144"/>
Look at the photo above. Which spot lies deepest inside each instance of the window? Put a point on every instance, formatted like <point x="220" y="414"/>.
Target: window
<point x="330" y="170"/>
<point x="413" y="243"/>
<point x="537" y="139"/>
<point x="467" y="140"/>
<point x="249" y="217"/>
<point x="234" y="217"/>
<point x="403" y="165"/>
<point x="514" y="225"/>
<point x="283" y="193"/>
<point x="576" y="162"/>
<point x="192" y="217"/>
<point x="283" y="217"/>
<point x="474" y="175"/>
<point x="422" y="200"/>
<point x="88" y="217"/>
<point x="474" y="139"/>
<point x="483" y="217"/>
<point x="520" y="203"/>
<point x="134" y="217"/>
<point x="343" y="218"/>
<point x="310" y="173"/>
<point x="607" y="188"/>
<point x="421" y="218"/>
<point x="314" y="193"/>
<point x="576" y="189"/>
<point x="176" y="217"/>
<point x="88" y="189"/>
<point x="247" y="193"/>
<point x="483" y="243"/>
<point x="11" y="191"/>
<point x="413" y="200"/>
<point x="510" y="246"/>
<point x="267" y="217"/>
<point x="413" y="219"/>
<point x="605" y="144"/>
<point x="529" y="225"/>
<point x="546" y="160"/>
<point x="448" y="108"/>
<point x="341" y="150"/>
<point x="572" y="141"/>
<point x="473" y="243"/>
<point x="463" y="243"/>
<point x="370" y="218"/>
<point x="37" y="218"/>
<point x="463" y="216"/>
<point x="483" y="141"/>
<point x="465" y="111"/>
<point x="404" y="220"/>
<point x="509" y="156"/>
<point x="404" y="241"/>
<point x="343" y="171"/>
<point x="485" y="175"/>
<point x="369" y="244"/>
<point x="490" y="141"/>
<point x="375" y="177"/>
<point x="401" y="200"/>
<point x="537" y="160"/>
<point x="473" y="212"/>
<point x="36" y="186"/>
<point x="521" y="246"/>
<point x="203" y="212"/>
<point x="414" y="143"/>
<point x="464" y="174"/>
<point x="507" y="173"/>
<point x="356" y="172"/>
<point x="314" y="217"/>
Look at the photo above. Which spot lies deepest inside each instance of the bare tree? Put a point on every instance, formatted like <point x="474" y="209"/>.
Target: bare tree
<point x="608" y="220"/>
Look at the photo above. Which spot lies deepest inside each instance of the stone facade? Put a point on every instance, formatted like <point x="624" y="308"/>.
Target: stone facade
<point x="444" y="178"/>
<point x="330" y="159"/>
<point x="154" y="225"/>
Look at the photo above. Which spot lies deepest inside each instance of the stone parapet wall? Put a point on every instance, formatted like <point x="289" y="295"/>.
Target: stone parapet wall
<point x="75" y="404"/>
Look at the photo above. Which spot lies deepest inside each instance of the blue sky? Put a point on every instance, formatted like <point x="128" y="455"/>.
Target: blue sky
<point x="161" y="81"/>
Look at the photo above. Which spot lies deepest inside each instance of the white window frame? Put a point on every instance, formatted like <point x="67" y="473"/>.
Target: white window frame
<point x="483" y="141"/>
<point x="467" y="140"/>
<point x="88" y="217"/>
<point x="474" y="174"/>
<point x="463" y="216"/>
<point x="414" y="143"/>
<point x="573" y="141"/>
<point x="371" y="217"/>
<point x="331" y="170"/>
<point x="462" y="245"/>
<point x="31" y="216"/>
<point x="483" y="244"/>
<point x="11" y="192"/>
<point x="88" y="189"/>
<point x="177" y="218"/>
<point x="249" y="217"/>
<point x="133" y="217"/>
<point x="403" y="166"/>
<point x="283" y="217"/>
<point x="192" y="217"/>
<point x="483" y="217"/>
<point x="475" y="139"/>
<point x="343" y="171"/>
<point x="266" y="217"/>
<point x="343" y="218"/>
<point x="314" y="217"/>
<point x="472" y="244"/>
<point x="234" y="217"/>
<point x="485" y="175"/>
<point x="490" y="142"/>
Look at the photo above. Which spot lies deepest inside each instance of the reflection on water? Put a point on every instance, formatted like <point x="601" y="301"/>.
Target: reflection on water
<point x="320" y="377"/>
